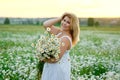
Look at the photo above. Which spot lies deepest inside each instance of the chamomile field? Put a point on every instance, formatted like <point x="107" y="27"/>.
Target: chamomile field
<point x="95" y="57"/>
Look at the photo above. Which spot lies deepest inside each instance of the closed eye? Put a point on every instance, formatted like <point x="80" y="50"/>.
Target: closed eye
<point x="68" y="22"/>
<point x="64" y="20"/>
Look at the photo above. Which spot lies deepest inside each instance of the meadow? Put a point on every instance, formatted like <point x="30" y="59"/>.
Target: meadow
<point x="95" y="57"/>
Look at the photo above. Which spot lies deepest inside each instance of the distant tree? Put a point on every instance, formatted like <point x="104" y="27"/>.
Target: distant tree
<point x="7" y="21"/>
<point x="97" y="23"/>
<point x="90" y="22"/>
<point x="118" y="23"/>
<point x="29" y="21"/>
<point x="37" y="23"/>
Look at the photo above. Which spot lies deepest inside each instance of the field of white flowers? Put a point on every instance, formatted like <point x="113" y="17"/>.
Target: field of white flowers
<point x="95" y="57"/>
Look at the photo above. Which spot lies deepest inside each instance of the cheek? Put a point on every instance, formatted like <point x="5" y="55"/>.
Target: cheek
<point x="68" y="25"/>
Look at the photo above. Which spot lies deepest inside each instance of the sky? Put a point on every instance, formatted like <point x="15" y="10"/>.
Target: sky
<point x="55" y="8"/>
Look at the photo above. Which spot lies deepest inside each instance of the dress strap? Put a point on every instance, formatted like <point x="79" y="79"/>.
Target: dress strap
<point x="59" y="33"/>
<point x="68" y="39"/>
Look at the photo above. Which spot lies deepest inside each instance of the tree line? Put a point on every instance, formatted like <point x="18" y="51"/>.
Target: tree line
<point x="87" y="22"/>
<point x="90" y="22"/>
<point x="8" y="21"/>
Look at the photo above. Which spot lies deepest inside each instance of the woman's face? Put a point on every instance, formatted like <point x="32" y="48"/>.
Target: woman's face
<point x="65" y="23"/>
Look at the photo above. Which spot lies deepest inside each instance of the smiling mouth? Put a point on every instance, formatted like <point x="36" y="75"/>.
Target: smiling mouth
<point x="64" y="27"/>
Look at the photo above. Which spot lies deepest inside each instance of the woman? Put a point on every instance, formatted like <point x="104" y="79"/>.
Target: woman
<point x="69" y="35"/>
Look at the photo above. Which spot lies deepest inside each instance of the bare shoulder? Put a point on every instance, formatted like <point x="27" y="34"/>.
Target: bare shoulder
<point x="65" y="42"/>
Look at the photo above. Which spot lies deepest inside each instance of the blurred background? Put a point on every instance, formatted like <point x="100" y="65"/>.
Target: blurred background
<point x="90" y="12"/>
<point x="95" y="57"/>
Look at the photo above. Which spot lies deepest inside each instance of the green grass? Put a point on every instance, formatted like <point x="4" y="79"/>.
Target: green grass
<point x="29" y="28"/>
<point x="21" y="28"/>
<point x="97" y="53"/>
<point x="101" y="28"/>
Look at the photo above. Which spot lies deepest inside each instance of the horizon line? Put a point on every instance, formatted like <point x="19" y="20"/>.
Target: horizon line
<point x="52" y="17"/>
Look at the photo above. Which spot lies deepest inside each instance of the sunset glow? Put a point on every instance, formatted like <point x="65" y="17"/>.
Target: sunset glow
<point x="54" y="8"/>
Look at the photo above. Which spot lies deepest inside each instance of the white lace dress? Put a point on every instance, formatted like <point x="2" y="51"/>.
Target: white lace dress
<point x="60" y="70"/>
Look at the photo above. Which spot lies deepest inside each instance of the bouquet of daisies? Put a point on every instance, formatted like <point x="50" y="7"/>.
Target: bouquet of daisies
<point x="47" y="46"/>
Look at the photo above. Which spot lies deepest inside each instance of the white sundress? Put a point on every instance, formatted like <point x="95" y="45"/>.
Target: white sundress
<point x="60" y="70"/>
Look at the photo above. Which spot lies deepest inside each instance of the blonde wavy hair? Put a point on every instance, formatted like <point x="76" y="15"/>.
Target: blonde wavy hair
<point x="74" y="27"/>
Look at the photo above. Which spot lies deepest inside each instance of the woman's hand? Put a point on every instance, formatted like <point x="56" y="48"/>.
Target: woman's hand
<point x="51" y="60"/>
<point x="51" y="22"/>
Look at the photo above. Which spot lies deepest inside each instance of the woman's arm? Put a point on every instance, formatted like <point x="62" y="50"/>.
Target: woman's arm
<point x="53" y="60"/>
<point x="51" y="22"/>
<point x="63" y="49"/>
